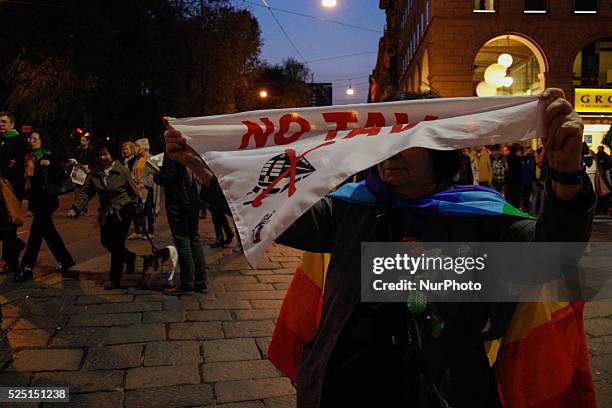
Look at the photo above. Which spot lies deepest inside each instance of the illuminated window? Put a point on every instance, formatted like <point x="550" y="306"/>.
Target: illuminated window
<point x="484" y="6"/>
<point x="535" y="7"/>
<point x="585" y="7"/>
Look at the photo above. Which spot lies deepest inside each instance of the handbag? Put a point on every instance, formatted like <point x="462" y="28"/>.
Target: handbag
<point x="14" y="212"/>
<point x="63" y="184"/>
<point x="601" y="188"/>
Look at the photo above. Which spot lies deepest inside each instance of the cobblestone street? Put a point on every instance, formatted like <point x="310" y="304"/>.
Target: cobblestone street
<point x="140" y="348"/>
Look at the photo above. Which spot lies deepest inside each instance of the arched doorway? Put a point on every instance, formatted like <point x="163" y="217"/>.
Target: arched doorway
<point x="509" y="65"/>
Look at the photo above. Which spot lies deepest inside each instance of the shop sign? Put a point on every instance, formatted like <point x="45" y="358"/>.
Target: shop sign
<point x="593" y="100"/>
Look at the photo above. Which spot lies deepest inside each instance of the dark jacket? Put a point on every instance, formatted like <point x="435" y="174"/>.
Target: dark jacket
<point x="13" y="148"/>
<point x="182" y="192"/>
<point x="38" y="197"/>
<point x="349" y="327"/>
<point x="351" y="361"/>
<point x="118" y="196"/>
<point x="85" y="156"/>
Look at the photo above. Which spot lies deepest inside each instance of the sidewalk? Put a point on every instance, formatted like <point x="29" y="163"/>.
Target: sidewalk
<point x="140" y="348"/>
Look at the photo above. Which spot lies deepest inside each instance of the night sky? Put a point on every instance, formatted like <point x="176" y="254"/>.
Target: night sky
<point x="316" y="40"/>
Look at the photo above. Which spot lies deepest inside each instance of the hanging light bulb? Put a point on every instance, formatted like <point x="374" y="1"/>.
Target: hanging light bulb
<point x="328" y="3"/>
<point x="508" y="81"/>
<point x="505" y="60"/>
<point x="263" y="94"/>
<point x="350" y="90"/>
<point x="494" y="75"/>
<point x="484" y="89"/>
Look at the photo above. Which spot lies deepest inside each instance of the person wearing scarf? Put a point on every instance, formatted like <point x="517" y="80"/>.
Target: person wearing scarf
<point x="12" y="152"/>
<point x="358" y="356"/>
<point x="40" y="169"/>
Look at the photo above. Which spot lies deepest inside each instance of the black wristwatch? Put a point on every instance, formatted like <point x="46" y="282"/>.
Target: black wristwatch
<point x="568" y="179"/>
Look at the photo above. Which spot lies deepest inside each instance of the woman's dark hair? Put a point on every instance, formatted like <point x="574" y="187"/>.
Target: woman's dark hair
<point x="110" y="147"/>
<point x="515" y="148"/>
<point x="446" y="163"/>
<point x="44" y="140"/>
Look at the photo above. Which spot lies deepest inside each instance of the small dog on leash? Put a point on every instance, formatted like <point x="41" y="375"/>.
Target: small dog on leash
<point x="159" y="258"/>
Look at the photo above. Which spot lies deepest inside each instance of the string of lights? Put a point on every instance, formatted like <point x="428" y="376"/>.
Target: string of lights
<point x="321" y="19"/>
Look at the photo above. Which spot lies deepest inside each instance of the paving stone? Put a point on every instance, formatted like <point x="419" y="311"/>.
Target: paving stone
<point x="123" y="308"/>
<point x="243" y="404"/>
<point x="29" y="338"/>
<point x="170" y="397"/>
<point x="239" y="370"/>
<point x="115" y="319"/>
<point x="598" y="327"/>
<point x="79" y="336"/>
<point x="97" y="299"/>
<point x="233" y="279"/>
<point x="47" y="360"/>
<point x="172" y="353"/>
<point x="248" y="295"/>
<point x="597" y="309"/>
<point x="281" y="286"/>
<point x="173" y="303"/>
<point x="248" y="328"/>
<point x="165" y="316"/>
<point x="244" y="390"/>
<point x="257" y="314"/>
<point x="195" y="331"/>
<point x="267" y="303"/>
<point x="274" y="278"/>
<point x="151" y="297"/>
<point x="248" y="286"/>
<point x="15" y="379"/>
<point x="207" y="315"/>
<point x="235" y="266"/>
<point x="151" y="377"/>
<point x="97" y="400"/>
<point x="225" y="304"/>
<point x="284" y="271"/>
<point x="6" y="323"/>
<point x="41" y="322"/>
<point x="136" y="333"/>
<point x="230" y="350"/>
<point x="114" y="357"/>
<point x="602" y="363"/>
<point x="257" y="272"/>
<point x="288" y="401"/>
<point x="190" y="302"/>
<point x="600" y="345"/>
<point x="263" y="343"/>
<point x="269" y="265"/>
<point x="80" y="381"/>
<point x="284" y="258"/>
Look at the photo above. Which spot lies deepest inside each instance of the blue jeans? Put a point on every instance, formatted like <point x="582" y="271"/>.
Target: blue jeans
<point x="186" y="236"/>
<point x="536" y="198"/>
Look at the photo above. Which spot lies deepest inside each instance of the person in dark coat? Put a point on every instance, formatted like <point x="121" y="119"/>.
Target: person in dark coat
<point x="355" y="358"/>
<point x="183" y="205"/>
<point x="118" y="195"/>
<point x="39" y="165"/>
<point x="514" y="175"/>
<point x="12" y="153"/>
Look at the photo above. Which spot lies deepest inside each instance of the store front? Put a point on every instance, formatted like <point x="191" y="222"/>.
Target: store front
<point x="593" y="89"/>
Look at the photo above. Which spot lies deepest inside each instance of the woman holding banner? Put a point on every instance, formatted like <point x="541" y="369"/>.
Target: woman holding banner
<point x="366" y="354"/>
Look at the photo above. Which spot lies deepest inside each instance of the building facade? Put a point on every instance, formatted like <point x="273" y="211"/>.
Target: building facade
<point x="500" y="47"/>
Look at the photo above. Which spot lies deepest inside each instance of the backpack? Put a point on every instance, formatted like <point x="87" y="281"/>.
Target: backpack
<point x="499" y="170"/>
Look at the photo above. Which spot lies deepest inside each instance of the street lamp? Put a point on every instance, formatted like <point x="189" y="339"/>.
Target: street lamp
<point x="328" y="3"/>
<point x="263" y="94"/>
<point x="350" y="91"/>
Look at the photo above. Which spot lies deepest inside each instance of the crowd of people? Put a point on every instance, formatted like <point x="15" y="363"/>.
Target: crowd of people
<point x="518" y="172"/>
<point x="129" y="187"/>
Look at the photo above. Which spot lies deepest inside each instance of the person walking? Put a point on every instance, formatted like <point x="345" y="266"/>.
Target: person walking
<point x="143" y="173"/>
<point x="499" y="167"/>
<point x="513" y="176"/>
<point x="41" y="169"/>
<point x="128" y="152"/>
<point x="528" y="166"/>
<point x="483" y="161"/>
<point x="182" y="192"/>
<point x="118" y="205"/>
<point x="12" y="153"/>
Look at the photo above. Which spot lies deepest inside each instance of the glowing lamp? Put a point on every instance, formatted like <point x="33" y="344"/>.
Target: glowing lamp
<point x="494" y="75"/>
<point x="263" y="94"/>
<point x="328" y="3"/>
<point x="484" y="89"/>
<point x="350" y="90"/>
<point x="505" y="60"/>
<point x="508" y="81"/>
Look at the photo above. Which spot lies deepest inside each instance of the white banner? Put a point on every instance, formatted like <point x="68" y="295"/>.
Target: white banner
<point x="274" y="165"/>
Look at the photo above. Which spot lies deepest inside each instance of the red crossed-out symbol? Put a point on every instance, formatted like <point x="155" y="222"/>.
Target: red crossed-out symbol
<point x="290" y="172"/>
